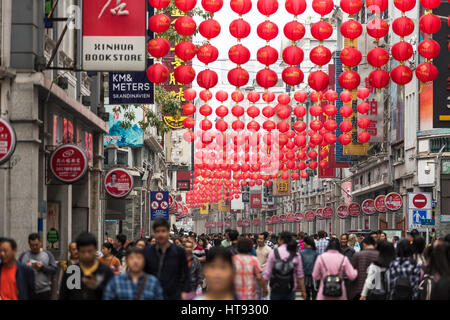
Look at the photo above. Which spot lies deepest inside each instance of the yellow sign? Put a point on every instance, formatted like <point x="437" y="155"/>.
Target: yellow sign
<point x="282" y="187"/>
<point x="224" y="206"/>
<point x="204" y="209"/>
<point x="174" y="123"/>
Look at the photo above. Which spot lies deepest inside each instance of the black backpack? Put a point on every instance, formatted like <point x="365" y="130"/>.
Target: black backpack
<point x="282" y="280"/>
<point x="332" y="283"/>
<point x="402" y="289"/>
<point x="426" y="286"/>
<point x="379" y="294"/>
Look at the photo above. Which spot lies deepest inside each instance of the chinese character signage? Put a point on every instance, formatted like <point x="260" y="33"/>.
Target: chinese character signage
<point x="118" y="183"/>
<point x="375" y="114"/>
<point x="204" y="208"/>
<point x="282" y="187"/>
<point x="129" y="88"/>
<point x="68" y="163"/>
<point x="255" y="200"/>
<point x="114" y="34"/>
<point x="159" y="205"/>
<point x="7" y="141"/>
<point x="119" y="136"/>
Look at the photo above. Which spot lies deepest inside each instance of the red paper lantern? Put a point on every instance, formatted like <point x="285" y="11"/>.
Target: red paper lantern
<point x="426" y="72"/>
<point x="205" y="110"/>
<point x="159" y="23"/>
<point x="429" y="48"/>
<point x="349" y="79"/>
<point x="237" y="96"/>
<point x="330" y="110"/>
<point x="238" y="125"/>
<point x="401" y="75"/>
<point x="189" y="136"/>
<point x="312" y="165"/>
<point x="185" y="5"/>
<point x="237" y="111"/>
<point x="315" y="111"/>
<point x="292" y="76"/>
<point x="345" y="139"/>
<point x="239" y="54"/>
<point x="239" y="28"/>
<point x="318" y="80"/>
<point x="267" y="78"/>
<point x="207" y="78"/>
<point x="222" y="111"/>
<point x="205" y="124"/>
<point x="329" y="138"/>
<point x="185" y="50"/>
<point x="268" y="111"/>
<point x="294" y="30"/>
<point x="377" y="57"/>
<point x="351" y="29"/>
<point x="363" y="107"/>
<point x="377" y="28"/>
<point x="363" y="122"/>
<point x="323" y="153"/>
<point x="405" y="5"/>
<point x="350" y="56"/>
<point x="185" y="26"/>
<point x="283" y="126"/>
<point x="269" y="125"/>
<point x="209" y="28"/>
<point x="267" y="7"/>
<point x="362" y="93"/>
<point x="157" y="73"/>
<point x="253" y="126"/>
<point x="190" y="94"/>
<point x="207" y="53"/>
<point x="322" y="7"/>
<point x="321" y="30"/>
<point x="346" y="111"/>
<point x="267" y="55"/>
<point x="430" y="4"/>
<point x="316" y="125"/>
<point x="320" y="55"/>
<point x="205" y="95"/>
<point x="253" y="112"/>
<point x="184" y="74"/>
<point x="351" y="6"/>
<point x="221" y="95"/>
<point x="238" y="77"/>
<point x="376" y="6"/>
<point x="189" y="108"/>
<point x="284" y="99"/>
<point x="295" y="7"/>
<point x="253" y="96"/>
<point x="300" y="96"/>
<point x="330" y="125"/>
<point x="159" y="4"/>
<point x="345" y="126"/>
<point x="316" y="96"/>
<point x="331" y="95"/>
<point x="379" y="78"/>
<point x="189" y="123"/>
<point x="241" y="6"/>
<point x="293" y="55"/>
<point x="158" y="47"/>
<point x="363" y="137"/>
<point x="283" y="112"/>
<point x="429" y="23"/>
<point x="402" y="51"/>
<point x="304" y="174"/>
<point x="212" y="5"/>
<point x="268" y="96"/>
<point x="403" y="26"/>
<point x="267" y="30"/>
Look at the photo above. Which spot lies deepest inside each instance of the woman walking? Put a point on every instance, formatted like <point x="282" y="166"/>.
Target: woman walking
<point x="309" y="256"/>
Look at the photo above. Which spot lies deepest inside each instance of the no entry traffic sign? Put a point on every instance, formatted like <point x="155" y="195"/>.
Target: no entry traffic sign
<point x="419" y="201"/>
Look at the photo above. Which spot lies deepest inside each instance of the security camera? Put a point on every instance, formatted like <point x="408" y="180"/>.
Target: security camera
<point x="427" y="169"/>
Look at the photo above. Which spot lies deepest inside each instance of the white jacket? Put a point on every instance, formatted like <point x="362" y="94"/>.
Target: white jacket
<point x="374" y="280"/>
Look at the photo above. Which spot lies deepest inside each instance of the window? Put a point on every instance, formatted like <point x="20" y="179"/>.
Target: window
<point x="368" y="178"/>
<point x="122" y="157"/>
<point x="105" y="156"/>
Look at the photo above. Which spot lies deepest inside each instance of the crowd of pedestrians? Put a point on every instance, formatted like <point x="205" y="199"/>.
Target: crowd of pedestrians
<point x="261" y="266"/>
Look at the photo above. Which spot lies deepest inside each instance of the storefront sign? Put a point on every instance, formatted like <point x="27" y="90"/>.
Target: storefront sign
<point x="159" y="205"/>
<point x="393" y="201"/>
<point x="379" y="204"/>
<point x="118" y="183"/>
<point x="275" y="219"/>
<point x="309" y="216"/>
<point x="245" y="223"/>
<point x="268" y="220"/>
<point x="7" y="141"/>
<point x="68" y="163"/>
<point x="219" y="223"/>
<point x="299" y="217"/>
<point x="283" y="218"/>
<point x="327" y="212"/>
<point x="319" y="213"/>
<point x="342" y="212"/>
<point x="354" y="209"/>
<point x="130" y="87"/>
<point x="239" y="223"/>
<point x="256" y="221"/>
<point x="118" y="135"/>
<point x="290" y="217"/>
<point x="114" y="35"/>
<point x="368" y="206"/>
<point x="255" y="200"/>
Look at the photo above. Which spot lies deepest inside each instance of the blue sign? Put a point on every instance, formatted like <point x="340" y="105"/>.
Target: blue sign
<point x="130" y="88"/>
<point x="119" y="136"/>
<point x="159" y="205"/>
<point x="427" y="222"/>
<point x="418" y="216"/>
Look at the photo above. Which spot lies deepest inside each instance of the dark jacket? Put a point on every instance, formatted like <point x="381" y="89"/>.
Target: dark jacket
<point x="361" y="261"/>
<point x="24" y="281"/>
<point x="103" y="274"/>
<point x="348" y="252"/>
<point x="196" y="273"/>
<point x="170" y="268"/>
<point x="309" y="257"/>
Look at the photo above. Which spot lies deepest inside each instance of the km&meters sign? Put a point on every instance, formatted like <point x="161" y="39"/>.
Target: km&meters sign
<point x="114" y="35"/>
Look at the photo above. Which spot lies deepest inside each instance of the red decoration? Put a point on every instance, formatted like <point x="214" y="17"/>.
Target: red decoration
<point x="379" y="78"/>
<point x="239" y="28"/>
<point x="212" y="5"/>
<point x="429" y="48"/>
<point x="403" y="26"/>
<point x="185" y="26"/>
<point x="318" y="80"/>
<point x="158" y="47"/>
<point x="189" y="109"/>
<point x="322" y="7"/>
<point x="363" y="122"/>
<point x="350" y="56"/>
<point x="300" y="96"/>
<point x="426" y="72"/>
<point x="320" y="55"/>
<point x="222" y="111"/>
<point x="429" y="23"/>
<point x="376" y="6"/>
<point x="345" y="126"/>
<point x="185" y="5"/>
<point x="402" y="51"/>
<point x="267" y="78"/>
<point x="401" y="75"/>
<point x="237" y="96"/>
<point x="351" y="6"/>
<point x="430" y="4"/>
<point x="377" y="57"/>
<point x="209" y="28"/>
<point x="363" y="137"/>
<point x="207" y="79"/>
<point x="207" y="53"/>
<point x="377" y="28"/>
<point x="405" y="5"/>
<point x="349" y="80"/>
<point x="321" y="30"/>
<point x="159" y="4"/>
<point x="292" y="76"/>
<point x="241" y="6"/>
<point x="190" y="94"/>
<point x="239" y="54"/>
<point x="294" y="30"/>
<point x="345" y="139"/>
<point x="253" y="96"/>
<point x="205" y="95"/>
<point x="238" y="77"/>
<point x="267" y="7"/>
<point x="189" y="123"/>
<point x="159" y="23"/>
<point x="185" y="50"/>
<point x="363" y="107"/>
<point x="267" y="30"/>
<point x="295" y="7"/>
<point x="346" y="111"/>
<point x="267" y="55"/>
<point x="221" y="95"/>
<point x="157" y="73"/>
<point x="351" y="29"/>
<point x="184" y="74"/>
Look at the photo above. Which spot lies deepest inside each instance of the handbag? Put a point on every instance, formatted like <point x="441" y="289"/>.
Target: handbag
<point x="332" y="283"/>
<point x="379" y="294"/>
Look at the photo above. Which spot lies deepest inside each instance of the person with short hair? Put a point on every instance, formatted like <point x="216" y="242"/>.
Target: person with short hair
<point x="135" y="284"/>
<point x="71" y="260"/>
<point x="43" y="264"/>
<point x="168" y="263"/>
<point x="233" y="235"/>
<point x="140" y="243"/>
<point x="108" y="259"/>
<point x="121" y="250"/>
<point x="309" y="256"/>
<point x="322" y="243"/>
<point x="16" y="279"/>
<point x="94" y="275"/>
<point x="383" y="236"/>
<point x="195" y="268"/>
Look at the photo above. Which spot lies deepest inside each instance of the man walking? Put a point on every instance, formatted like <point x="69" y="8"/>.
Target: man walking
<point x="43" y="264"/>
<point x="322" y="243"/>
<point x="262" y="251"/>
<point x="226" y="242"/>
<point x="167" y="262"/>
<point x="195" y="268"/>
<point x="361" y="261"/>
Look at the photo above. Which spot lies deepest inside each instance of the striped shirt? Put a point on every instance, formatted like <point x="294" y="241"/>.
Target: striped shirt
<point x="246" y="267"/>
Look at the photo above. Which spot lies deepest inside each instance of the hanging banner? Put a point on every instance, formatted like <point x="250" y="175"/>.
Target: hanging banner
<point x="393" y="201"/>
<point x="299" y="217"/>
<point x="327" y="212"/>
<point x="118" y="183"/>
<point x="354" y="209"/>
<point x="68" y="163"/>
<point x="7" y="141"/>
<point x="309" y="215"/>
<point x="368" y="206"/>
<point x="282" y="187"/>
<point x="118" y="135"/>
<point x="159" y="205"/>
<point x="342" y="211"/>
<point x="114" y="35"/>
<point x="204" y="208"/>
<point x="255" y="200"/>
<point x="379" y="203"/>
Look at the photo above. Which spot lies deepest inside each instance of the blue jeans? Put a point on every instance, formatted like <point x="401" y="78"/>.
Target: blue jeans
<point x="280" y="296"/>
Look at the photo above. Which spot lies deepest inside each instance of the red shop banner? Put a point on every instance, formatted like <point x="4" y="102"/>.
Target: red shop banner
<point x="327" y="212"/>
<point x="7" y="141"/>
<point x="309" y="215"/>
<point x="118" y="183"/>
<point x="379" y="204"/>
<point x="354" y="209"/>
<point x="342" y="211"/>
<point x="299" y="217"/>
<point x="68" y="163"/>
<point x="255" y="200"/>
<point x="368" y="206"/>
<point x="393" y="201"/>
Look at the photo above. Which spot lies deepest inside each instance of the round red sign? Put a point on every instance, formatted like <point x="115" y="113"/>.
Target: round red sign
<point x="309" y="216"/>
<point x="118" y="183"/>
<point x="206" y="224"/>
<point x="256" y="221"/>
<point x="290" y="217"/>
<point x="368" y="206"/>
<point x="299" y="216"/>
<point x="327" y="212"/>
<point x="282" y="218"/>
<point x="245" y="223"/>
<point x="68" y="163"/>
<point x="319" y="213"/>
<point x="342" y="212"/>
<point x="213" y="224"/>
<point x="419" y="200"/>
<point x="379" y="204"/>
<point x="239" y="223"/>
<point x="393" y="201"/>
<point x="219" y="223"/>
<point x="275" y="219"/>
<point x="354" y="209"/>
<point x="268" y="220"/>
<point x="227" y="224"/>
<point x="7" y="141"/>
